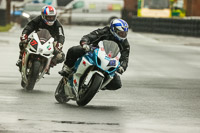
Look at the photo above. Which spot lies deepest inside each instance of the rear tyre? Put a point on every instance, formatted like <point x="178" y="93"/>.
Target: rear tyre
<point x="88" y="94"/>
<point x="60" y="93"/>
<point x="34" y="72"/>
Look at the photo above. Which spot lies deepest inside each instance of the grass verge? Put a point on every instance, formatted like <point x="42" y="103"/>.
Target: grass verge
<point x="6" y="28"/>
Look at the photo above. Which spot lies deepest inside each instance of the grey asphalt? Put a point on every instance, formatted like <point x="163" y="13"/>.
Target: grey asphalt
<point x="160" y="93"/>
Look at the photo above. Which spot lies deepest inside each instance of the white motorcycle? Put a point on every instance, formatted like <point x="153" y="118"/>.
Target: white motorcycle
<point x="36" y="58"/>
<point x="91" y="73"/>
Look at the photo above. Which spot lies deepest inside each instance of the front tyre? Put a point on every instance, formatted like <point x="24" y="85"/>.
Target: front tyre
<point x="23" y="84"/>
<point x="86" y="95"/>
<point x="32" y="77"/>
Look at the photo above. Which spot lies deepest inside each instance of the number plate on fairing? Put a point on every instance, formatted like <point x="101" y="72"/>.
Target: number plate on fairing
<point x="112" y="63"/>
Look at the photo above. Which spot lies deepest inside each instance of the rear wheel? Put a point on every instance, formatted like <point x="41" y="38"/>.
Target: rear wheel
<point x="32" y="77"/>
<point x="86" y="94"/>
<point x="60" y="93"/>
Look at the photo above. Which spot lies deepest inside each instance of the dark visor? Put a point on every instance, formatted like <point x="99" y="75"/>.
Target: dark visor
<point x="50" y="18"/>
<point x="122" y="34"/>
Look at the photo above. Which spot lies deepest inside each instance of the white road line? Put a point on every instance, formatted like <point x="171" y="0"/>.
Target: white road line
<point x="8" y="98"/>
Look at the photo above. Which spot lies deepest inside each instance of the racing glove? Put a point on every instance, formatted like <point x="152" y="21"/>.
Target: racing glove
<point x="24" y="41"/>
<point x="120" y="70"/>
<point x="59" y="46"/>
<point x="84" y="41"/>
<point x="86" y="47"/>
<point x="24" y="38"/>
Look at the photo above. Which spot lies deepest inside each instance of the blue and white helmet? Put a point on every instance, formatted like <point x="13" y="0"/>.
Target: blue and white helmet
<point x="119" y="28"/>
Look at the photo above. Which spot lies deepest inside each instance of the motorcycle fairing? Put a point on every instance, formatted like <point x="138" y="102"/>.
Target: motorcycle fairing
<point x="93" y="59"/>
<point x="45" y="50"/>
<point x="107" y="64"/>
<point x="81" y="65"/>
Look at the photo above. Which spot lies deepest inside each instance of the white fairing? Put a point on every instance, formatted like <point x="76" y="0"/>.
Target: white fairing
<point x="90" y="74"/>
<point x="106" y="58"/>
<point x="45" y="50"/>
<point x="84" y="64"/>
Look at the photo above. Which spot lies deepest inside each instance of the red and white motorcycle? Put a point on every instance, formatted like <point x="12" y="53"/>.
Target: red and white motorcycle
<point x="36" y="58"/>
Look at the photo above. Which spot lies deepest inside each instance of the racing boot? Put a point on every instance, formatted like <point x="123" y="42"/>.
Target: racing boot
<point x="48" y="72"/>
<point x="19" y="61"/>
<point x="66" y="71"/>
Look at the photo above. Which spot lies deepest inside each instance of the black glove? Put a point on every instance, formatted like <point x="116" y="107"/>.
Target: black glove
<point x="84" y="41"/>
<point x="120" y="70"/>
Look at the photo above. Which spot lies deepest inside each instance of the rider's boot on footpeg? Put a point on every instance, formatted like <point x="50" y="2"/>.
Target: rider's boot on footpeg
<point x="66" y="71"/>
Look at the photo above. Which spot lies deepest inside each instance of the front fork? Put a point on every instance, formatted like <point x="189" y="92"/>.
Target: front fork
<point x="26" y="64"/>
<point x="25" y="57"/>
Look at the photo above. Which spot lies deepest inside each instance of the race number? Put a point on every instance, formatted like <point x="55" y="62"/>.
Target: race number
<point x="34" y="42"/>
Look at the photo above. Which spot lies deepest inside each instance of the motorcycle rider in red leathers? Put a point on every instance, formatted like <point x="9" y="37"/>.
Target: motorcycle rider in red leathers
<point x="47" y="20"/>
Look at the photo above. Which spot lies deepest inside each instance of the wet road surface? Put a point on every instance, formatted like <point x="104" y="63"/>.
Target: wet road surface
<point x="160" y="93"/>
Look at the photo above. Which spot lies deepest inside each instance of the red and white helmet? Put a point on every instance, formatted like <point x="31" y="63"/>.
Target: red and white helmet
<point x="49" y="15"/>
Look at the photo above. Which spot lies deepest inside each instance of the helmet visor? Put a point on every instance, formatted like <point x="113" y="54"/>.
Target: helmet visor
<point x="122" y="34"/>
<point x="50" y="18"/>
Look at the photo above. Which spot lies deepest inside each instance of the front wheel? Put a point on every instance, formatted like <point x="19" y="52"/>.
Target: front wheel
<point x="23" y="84"/>
<point x="86" y="94"/>
<point x="32" y="77"/>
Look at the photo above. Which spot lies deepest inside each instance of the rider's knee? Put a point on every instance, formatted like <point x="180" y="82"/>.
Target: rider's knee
<point x="115" y="86"/>
<point x="76" y="51"/>
<point x="72" y="50"/>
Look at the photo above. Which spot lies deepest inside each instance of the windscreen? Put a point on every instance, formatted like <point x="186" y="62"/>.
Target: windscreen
<point x="44" y="35"/>
<point x="111" y="48"/>
<point x="156" y="4"/>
